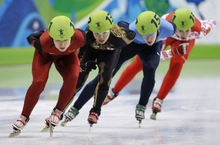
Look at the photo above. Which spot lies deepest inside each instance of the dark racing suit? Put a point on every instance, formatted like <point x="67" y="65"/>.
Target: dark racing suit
<point x="106" y="56"/>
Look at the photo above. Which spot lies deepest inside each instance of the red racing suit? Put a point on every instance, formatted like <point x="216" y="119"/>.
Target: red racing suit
<point x="199" y="30"/>
<point x="66" y="63"/>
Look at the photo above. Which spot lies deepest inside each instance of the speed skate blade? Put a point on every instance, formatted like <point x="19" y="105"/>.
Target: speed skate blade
<point x="139" y="123"/>
<point x="153" y="116"/>
<point x="51" y="129"/>
<point x="63" y="123"/>
<point x="90" y="126"/>
<point x="46" y="128"/>
<point x="15" y="133"/>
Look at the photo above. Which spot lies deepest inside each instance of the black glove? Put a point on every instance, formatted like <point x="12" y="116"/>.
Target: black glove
<point x="123" y="24"/>
<point x="37" y="45"/>
<point x="89" y="65"/>
<point x="35" y="37"/>
<point x="130" y="34"/>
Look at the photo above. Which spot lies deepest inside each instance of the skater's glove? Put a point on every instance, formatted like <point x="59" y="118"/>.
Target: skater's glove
<point x="89" y="65"/>
<point x="33" y="40"/>
<point x="38" y="34"/>
<point x="34" y="36"/>
<point x="130" y="35"/>
<point x="37" y="45"/>
<point x="180" y="50"/>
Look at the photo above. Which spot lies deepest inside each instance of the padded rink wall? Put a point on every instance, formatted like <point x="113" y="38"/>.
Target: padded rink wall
<point x="19" y="18"/>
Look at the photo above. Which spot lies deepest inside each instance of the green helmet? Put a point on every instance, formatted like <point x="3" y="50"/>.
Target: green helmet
<point x="100" y="21"/>
<point x="183" y="19"/>
<point x="147" y="22"/>
<point x="61" y="28"/>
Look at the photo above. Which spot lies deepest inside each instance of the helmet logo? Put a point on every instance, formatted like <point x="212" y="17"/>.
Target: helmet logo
<point x="142" y="27"/>
<point x="183" y="23"/>
<point x="98" y="24"/>
<point x="61" y="33"/>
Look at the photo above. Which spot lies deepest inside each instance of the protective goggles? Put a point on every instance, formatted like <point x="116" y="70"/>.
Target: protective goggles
<point x="150" y="35"/>
<point x="102" y="33"/>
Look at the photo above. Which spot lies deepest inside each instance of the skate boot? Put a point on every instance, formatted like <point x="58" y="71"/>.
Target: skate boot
<point x="139" y="113"/>
<point x="156" y="107"/>
<point x="92" y="119"/>
<point x="52" y="121"/>
<point x="111" y="95"/>
<point x="19" y="125"/>
<point x="70" y="115"/>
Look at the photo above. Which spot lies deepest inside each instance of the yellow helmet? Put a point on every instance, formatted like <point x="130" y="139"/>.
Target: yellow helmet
<point x="183" y="19"/>
<point x="147" y="22"/>
<point x="61" y="28"/>
<point x="100" y="21"/>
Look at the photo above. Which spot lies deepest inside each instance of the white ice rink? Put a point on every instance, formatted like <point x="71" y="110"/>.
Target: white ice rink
<point x="190" y="116"/>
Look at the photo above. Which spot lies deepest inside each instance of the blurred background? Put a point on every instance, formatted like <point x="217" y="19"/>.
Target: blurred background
<point x="190" y="112"/>
<point x="19" y="18"/>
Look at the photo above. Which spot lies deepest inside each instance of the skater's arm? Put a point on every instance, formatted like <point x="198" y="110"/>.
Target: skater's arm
<point x="33" y="40"/>
<point x="180" y="50"/>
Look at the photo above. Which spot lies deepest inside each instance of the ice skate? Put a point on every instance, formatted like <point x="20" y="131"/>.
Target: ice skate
<point x="70" y="115"/>
<point x="140" y="121"/>
<point x="46" y="128"/>
<point x="153" y="116"/>
<point x="18" y="126"/>
<point x="139" y="113"/>
<point x="15" y="132"/>
<point x="92" y="119"/>
<point x="156" y="107"/>
<point x="52" y="121"/>
<point x="51" y="127"/>
<point x="111" y="95"/>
